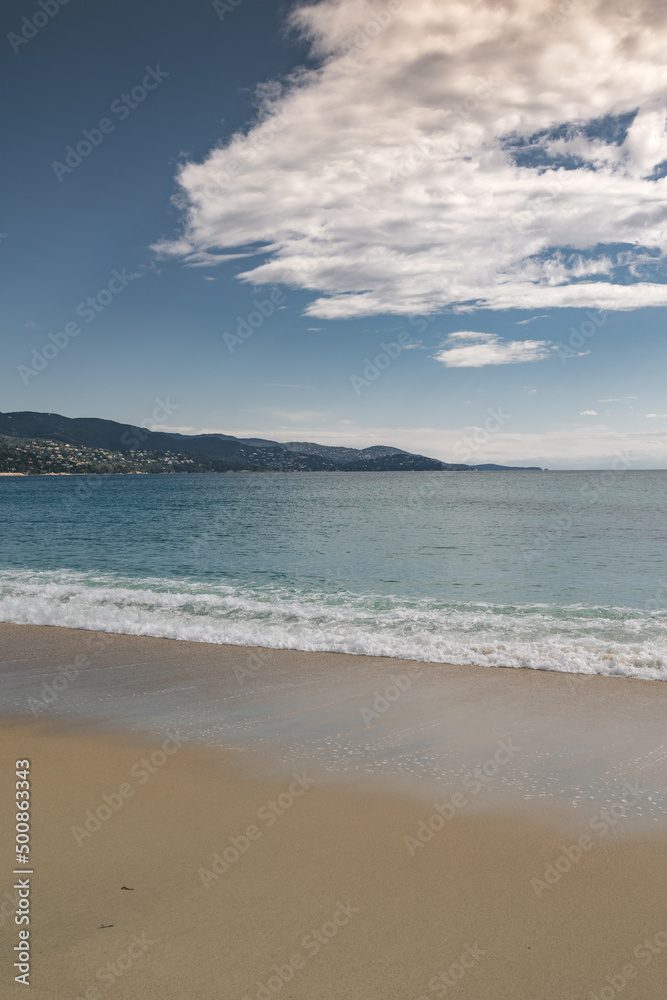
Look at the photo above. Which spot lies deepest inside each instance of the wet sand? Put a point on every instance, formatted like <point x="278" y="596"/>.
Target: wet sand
<point x="284" y="861"/>
<point x="239" y="886"/>
<point x="422" y="726"/>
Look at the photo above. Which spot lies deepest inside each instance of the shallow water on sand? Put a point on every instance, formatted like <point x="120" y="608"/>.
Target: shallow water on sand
<point x="580" y="744"/>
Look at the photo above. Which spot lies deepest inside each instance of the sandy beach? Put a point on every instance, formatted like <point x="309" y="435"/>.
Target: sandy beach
<point x="236" y="886"/>
<point x="168" y="869"/>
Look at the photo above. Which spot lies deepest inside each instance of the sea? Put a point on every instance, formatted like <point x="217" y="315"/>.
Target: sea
<point x="563" y="571"/>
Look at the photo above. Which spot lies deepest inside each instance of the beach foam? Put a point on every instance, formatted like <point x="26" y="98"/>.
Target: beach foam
<point x="572" y="639"/>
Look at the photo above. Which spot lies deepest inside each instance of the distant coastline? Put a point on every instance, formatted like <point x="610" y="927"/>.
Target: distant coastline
<point x="34" y="443"/>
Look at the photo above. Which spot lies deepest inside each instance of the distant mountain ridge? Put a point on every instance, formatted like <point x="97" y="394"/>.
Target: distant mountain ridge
<point x="226" y="451"/>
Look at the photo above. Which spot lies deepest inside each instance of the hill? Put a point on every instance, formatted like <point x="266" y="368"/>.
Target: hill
<point x="37" y="456"/>
<point x="107" y="442"/>
<point x="252" y="454"/>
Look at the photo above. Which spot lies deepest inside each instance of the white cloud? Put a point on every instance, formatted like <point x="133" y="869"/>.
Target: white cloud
<point x="382" y="181"/>
<point x="659" y="416"/>
<point x="489" y="349"/>
<point x="588" y="413"/>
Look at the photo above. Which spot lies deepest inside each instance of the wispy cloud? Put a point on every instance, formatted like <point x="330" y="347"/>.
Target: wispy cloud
<point x="658" y="416"/>
<point x="523" y="322"/>
<point x="488" y="349"/>
<point x="588" y="413"/>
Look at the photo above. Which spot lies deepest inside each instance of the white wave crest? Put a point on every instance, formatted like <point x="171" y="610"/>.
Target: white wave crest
<point x="576" y="639"/>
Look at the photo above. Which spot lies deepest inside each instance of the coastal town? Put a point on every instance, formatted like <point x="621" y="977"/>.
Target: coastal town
<point x="32" y="456"/>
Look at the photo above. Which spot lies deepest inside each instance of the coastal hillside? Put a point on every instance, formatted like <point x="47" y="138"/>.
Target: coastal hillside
<point x="34" y="456"/>
<point x="199" y="452"/>
<point x="90" y="444"/>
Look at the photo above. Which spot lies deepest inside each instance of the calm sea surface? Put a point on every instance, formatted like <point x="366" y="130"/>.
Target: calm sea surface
<point x="560" y="570"/>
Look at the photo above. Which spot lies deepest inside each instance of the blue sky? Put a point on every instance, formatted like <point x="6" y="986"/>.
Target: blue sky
<point x="288" y="195"/>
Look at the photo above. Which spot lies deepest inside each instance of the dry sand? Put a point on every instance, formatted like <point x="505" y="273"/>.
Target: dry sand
<point x="333" y="863"/>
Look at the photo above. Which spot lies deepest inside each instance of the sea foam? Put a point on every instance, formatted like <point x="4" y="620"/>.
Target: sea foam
<point x="572" y="639"/>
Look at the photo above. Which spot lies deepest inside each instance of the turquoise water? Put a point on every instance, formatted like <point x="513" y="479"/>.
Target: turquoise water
<point x="559" y="570"/>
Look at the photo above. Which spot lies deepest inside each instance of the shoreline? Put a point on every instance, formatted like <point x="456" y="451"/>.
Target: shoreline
<point x="70" y="633"/>
<point x="418" y="728"/>
<point x="423" y="657"/>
